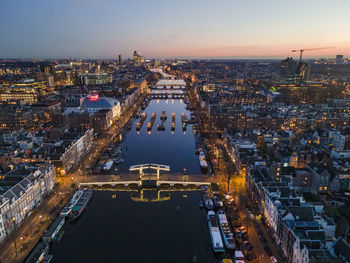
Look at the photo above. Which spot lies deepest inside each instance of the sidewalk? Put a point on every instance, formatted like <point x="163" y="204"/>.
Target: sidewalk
<point x="30" y="231"/>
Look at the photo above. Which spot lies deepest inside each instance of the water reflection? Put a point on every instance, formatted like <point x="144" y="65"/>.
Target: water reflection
<point x="174" y="147"/>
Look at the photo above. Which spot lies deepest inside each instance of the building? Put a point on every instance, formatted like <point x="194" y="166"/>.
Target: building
<point x="94" y="103"/>
<point x="288" y="68"/>
<point x="26" y="95"/>
<point x="18" y="201"/>
<point x="14" y="117"/>
<point x="138" y="59"/>
<point x="96" y="79"/>
<point x="339" y="59"/>
<point x="75" y="152"/>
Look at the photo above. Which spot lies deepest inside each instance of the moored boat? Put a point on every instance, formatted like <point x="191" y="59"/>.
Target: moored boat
<point x="207" y="198"/>
<point x="202" y="161"/>
<point x="142" y="120"/>
<point x="151" y="122"/>
<point x="214" y="231"/>
<point x="226" y="232"/>
<point x="163" y="116"/>
<point x="71" y="203"/>
<point x="82" y="203"/>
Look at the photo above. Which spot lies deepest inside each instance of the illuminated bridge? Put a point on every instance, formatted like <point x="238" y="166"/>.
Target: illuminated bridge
<point x="142" y="179"/>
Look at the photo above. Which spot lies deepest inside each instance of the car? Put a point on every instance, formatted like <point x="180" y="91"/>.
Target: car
<point x="262" y="239"/>
<point x="268" y="250"/>
<point x="273" y="259"/>
<point x="242" y="228"/>
<point x="251" y="216"/>
<point x="251" y="256"/>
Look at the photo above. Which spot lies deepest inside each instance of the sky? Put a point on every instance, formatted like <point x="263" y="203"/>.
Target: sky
<point x="177" y="28"/>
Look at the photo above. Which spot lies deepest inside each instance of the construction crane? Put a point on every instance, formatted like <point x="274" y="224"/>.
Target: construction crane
<point x="308" y="49"/>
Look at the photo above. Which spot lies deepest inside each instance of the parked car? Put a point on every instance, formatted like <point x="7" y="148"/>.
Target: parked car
<point x="273" y="259"/>
<point x="268" y="250"/>
<point x="251" y="256"/>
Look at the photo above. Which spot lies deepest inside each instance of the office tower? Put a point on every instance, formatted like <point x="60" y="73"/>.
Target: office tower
<point x="339" y="59"/>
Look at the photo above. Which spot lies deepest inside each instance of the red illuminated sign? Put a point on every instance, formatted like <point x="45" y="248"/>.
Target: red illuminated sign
<point x="93" y="97"/>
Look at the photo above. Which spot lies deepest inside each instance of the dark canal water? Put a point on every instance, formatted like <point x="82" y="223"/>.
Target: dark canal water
<point x="175" y="149"/>
<point x="123" y="230"/>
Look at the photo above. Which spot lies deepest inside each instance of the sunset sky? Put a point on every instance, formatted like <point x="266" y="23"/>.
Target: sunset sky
<point x="178" y="28"/>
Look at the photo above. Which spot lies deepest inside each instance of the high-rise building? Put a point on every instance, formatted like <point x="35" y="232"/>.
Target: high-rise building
<point x="288" y="68"/>
<point x="303" y="71"/>
<point x="48" y="69"/>
<point x="120" y="59"/>
<point x="138" y="59"/>
<point x="339" y="59"/>
<point x="50" y="80"/>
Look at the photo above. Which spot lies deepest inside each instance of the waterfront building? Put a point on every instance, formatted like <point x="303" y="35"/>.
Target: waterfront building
<point x="72" y="153"/>
<point x="20" y="199"/>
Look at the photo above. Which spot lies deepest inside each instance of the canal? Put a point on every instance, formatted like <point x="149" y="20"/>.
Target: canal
<point x="123" y="230"/>
<point x="173" y="148"/>
<point x="123" y="227"/>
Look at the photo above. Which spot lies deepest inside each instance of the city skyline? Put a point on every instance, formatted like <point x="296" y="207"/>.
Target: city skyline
<point x="163" y="29"/>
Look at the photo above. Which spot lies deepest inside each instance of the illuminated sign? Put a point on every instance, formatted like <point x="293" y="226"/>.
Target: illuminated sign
<point x="93" y="97"/>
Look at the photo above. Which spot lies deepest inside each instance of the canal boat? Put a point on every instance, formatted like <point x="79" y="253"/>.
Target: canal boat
<point x="108" y="165"/>
<point x="207" y="197"/>
<point x="198" y="148"/>
<point x="82" y="203"/>
<point x="117" y="150"/>
<point x="71" y="203"/>
<point x="226" y="232"/>
<point x="142" y="120"/>
<point x="195" y="129"/>
<point x="202" y="161"/>
<point x="214" y="231"/>
<point x="184" y="118"/>
<point x="163" y="116"/>
<point x="119" y="160"/>
<point x="161" y="127"/>
<point x="151" y="122"/>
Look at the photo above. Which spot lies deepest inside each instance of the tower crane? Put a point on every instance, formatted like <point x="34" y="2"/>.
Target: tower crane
<point x="308" y="49"/>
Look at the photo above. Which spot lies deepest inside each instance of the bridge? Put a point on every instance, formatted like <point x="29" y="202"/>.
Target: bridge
<point x="141" y="178"/>
<point x="170" y="81"/>
<point x="167" y="95"/>
<point x="157" y="167"/>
